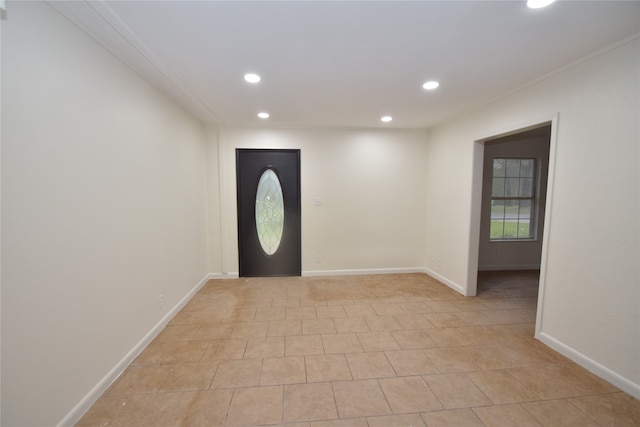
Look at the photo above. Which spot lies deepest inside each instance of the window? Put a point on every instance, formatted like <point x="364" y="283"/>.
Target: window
<point x="512" y="199"/>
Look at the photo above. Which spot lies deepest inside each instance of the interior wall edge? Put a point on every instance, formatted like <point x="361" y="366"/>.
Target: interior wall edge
<point x="548" y="218"/>
<point x="83" y="406"/>
<point x="591" y="365"/>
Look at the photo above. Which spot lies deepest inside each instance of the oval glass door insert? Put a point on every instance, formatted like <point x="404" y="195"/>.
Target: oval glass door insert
<point x="269" y="211"/>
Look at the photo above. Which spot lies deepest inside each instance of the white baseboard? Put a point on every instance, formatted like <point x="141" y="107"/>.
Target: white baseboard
<point x="450" y="283"/>
<point x="230" y="275"/>
<point x="508" y="267"/>
<point x="76" y="413"/>
<point x="362" y="272"/>
<point x="591" y="365"/>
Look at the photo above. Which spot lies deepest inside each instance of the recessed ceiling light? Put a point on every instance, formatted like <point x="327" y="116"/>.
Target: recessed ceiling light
<point x="386" y="119"/>
<point x="252" y="78"/>
<point x="537" y="4"/>
<point x="263" y="115"/>
<point x="430" y="85"/>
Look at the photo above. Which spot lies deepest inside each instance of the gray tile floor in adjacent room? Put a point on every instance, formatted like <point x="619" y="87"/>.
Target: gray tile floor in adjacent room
<point x="380" y="350"/>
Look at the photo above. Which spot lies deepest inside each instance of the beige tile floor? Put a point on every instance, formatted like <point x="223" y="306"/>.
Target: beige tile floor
<point x="385" y="350"/>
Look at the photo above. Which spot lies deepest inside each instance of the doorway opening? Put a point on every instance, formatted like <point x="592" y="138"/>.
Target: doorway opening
<point x="510" y="214"/>
<point x="514" y="192"/>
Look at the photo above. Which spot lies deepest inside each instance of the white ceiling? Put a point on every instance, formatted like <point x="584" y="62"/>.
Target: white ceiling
<point x="347" y="63"/>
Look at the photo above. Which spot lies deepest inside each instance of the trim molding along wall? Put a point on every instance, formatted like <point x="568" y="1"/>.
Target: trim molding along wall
<point x="509" y="267"/>
<point x="356" y="272"/>
<point x="97" y="19"/>
<point x="591" y="365"/>
<point x="102" y="386"/>
<point x="453" y="285"/>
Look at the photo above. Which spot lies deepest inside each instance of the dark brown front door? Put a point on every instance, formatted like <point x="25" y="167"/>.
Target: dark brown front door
<point x="268" y="190"/>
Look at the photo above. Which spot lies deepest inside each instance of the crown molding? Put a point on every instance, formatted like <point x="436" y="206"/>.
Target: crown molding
<point x="103" y="25"/>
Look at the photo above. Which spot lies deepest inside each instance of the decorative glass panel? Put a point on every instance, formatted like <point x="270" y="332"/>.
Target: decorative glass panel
<point x="269" y="212"/>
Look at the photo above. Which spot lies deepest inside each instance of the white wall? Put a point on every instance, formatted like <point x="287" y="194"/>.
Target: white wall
<point x="513" y="255"/>
<point x="103" y="210"/>
<point x="370" y="183"/>
<point x="214" y="226"/>
<point x="590" y="296"/>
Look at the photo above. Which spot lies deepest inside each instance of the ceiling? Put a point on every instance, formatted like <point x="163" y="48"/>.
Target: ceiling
<point x="347" y="63"/>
